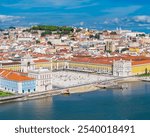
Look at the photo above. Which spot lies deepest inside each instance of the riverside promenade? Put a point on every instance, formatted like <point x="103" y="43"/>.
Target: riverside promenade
<point x="145" y="79"/>
<point x="30" y="96"/>
<point x="73" y="89"/>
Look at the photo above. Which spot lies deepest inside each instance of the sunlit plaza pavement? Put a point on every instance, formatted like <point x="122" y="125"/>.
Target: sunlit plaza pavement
<point x="63" y="79"/>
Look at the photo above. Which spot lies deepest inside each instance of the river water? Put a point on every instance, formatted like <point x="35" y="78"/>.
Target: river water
<point x="128" y="104"/>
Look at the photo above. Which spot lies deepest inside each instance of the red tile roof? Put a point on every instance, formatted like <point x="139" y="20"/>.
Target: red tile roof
<point x="11" y="63"/>
<point x="93" y="60"/>
<point x="141" y="62"/>
<point x="41" y="60"/>
<point x="14" y="76"/>
<point x="136" y="60"/>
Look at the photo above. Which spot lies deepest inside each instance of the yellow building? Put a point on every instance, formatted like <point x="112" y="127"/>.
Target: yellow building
<point x="134" y="49"/>
<point x="84" y="66"/>
<point x="15" y="66"/>
<point x="140" y="66"/>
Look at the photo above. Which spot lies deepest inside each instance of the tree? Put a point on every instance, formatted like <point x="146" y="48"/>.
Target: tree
<point x="97" y="36"/>
<point x="27" y="30"/>
<point x="108" y="51"/>
<point x="124" y="49"/>
<point x="49" y="43"/>
<point x="12" y="27"/>
<point x="91" y="36"/>
<point x="37" y="41"/>
<point x="146" y="71"/>
<point x="53" y="28"/>
<point x="78" y="30"/>
<point x="141" y="35"/>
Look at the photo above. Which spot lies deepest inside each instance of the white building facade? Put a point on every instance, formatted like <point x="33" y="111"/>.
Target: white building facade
<point x="16" y="83"/>
<point x="122" y="68"/>
<point x="43" y="79"/>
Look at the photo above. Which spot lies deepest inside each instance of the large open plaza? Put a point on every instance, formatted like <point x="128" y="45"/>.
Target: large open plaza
<point x="63" y="79"/>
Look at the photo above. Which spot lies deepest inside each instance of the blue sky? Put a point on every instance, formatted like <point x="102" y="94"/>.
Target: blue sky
<point x="102" y="14"/>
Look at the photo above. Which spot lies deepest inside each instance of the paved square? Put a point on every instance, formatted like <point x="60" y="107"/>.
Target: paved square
<point x="63" y="79"/>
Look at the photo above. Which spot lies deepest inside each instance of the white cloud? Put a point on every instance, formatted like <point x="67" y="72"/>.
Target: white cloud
<point x="63" y="2"/>
<point x="142" y="18"/>
<point x="121" y="11"/>
<point x="143" y="25"/>
<point x="106" y="22"/>
<point x="82" y="23"/>
<point x="112" y="21"/>
<point x="49" y="3"/>
<point x="6" y="18"/>
<point x="116" y="20"/>
<point x="82" y="6"/>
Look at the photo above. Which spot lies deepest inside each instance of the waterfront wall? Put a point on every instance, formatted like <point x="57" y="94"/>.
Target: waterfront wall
<point x="76" y="89"/>
<point x="81" y="89"/>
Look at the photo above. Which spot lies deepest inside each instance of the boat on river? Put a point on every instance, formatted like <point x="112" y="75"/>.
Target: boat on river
<point x="65" y="92"/>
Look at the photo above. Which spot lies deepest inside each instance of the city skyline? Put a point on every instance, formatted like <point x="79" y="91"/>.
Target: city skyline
<point x="89" y="58"/>
<point x="107" y="14"/>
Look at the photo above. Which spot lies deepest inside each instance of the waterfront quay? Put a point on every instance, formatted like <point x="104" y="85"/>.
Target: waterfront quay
<point x="29" y="96"/>
<point x="62" y="81"/>
<point x="74" y="82"/>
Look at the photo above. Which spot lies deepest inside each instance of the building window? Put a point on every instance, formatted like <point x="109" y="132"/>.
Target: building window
<point x="28" y="64"/>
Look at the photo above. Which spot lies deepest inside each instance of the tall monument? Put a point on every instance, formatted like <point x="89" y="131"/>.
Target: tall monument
<point x="27" y="63"/>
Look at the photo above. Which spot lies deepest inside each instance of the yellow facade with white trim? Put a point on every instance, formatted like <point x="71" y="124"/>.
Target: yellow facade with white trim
<point x="103" y="68"/>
